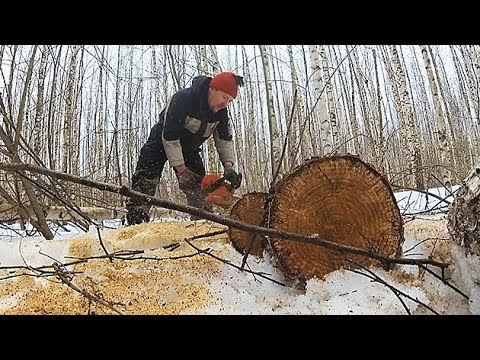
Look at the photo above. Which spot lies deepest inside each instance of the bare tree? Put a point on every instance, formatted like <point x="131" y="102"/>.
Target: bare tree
<point x="275" y="146"/>
<point x="325" y="146"/>
<point x="440" y="120"/>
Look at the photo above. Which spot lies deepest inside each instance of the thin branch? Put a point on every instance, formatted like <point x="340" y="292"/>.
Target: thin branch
<point x="62" y="275"/>
<point x="312" y="239"/>
<point x="396" y="291"/>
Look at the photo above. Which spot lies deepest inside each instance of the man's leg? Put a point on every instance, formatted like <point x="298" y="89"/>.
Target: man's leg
<point x="145" y="179"/>
<point x="195" y="198"/>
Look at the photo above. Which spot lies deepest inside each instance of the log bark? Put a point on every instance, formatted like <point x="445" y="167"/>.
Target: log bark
<point x="464" y="214"/>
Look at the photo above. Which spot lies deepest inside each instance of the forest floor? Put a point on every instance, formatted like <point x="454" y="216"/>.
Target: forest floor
<point x="176" y="267"/>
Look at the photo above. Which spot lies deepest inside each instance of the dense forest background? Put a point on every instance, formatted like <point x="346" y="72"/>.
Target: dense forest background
<point x="410" y="111"/>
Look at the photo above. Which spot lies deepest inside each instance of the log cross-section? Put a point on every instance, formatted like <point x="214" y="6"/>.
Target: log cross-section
<point x="337" y="198"/>
<point x="249" y="209"/>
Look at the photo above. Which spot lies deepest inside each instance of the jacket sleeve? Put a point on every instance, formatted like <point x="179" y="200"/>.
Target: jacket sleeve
<point x="175" y="114"/>
<point x="223" y="140"/>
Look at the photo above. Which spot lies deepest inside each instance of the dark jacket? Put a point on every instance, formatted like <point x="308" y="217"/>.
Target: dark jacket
<point x="187" y="122"/>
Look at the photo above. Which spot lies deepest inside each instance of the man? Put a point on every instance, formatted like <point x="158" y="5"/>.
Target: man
<point x="192" y="115"/>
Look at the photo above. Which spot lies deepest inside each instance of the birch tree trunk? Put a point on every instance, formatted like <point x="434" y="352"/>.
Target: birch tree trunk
<point x="275" y="146"/>
<point x="116" y="113"/>
<point x="474" y="81"/>
<point x="69" y="111"/>
<point x="52" y="112"/>
<point x="351" y="132"/>
<point x="465" y="113"/>
<point x="212" y="156"/>
<point x="100" y="120"/>
<point x="382" y="159"/>
<point x="201" y="58"/>
<point x="440" y="121"/>
<point x="325" y="146"/>
<point x="295" y="137"/>
<point x="39" y="122"/>
<point x="308" y="128"/>
<point x="9" y="103"/>
<point x="361" y="140"/>
<point x="411" y="150"/>
<point x="252" y="146"/>
<point x="448" y="102"/>
<point x="332" y="116"/>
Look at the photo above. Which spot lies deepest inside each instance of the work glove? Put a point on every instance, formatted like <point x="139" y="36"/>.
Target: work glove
<point x="234" y="178"/>
<point x="188" y="180"/>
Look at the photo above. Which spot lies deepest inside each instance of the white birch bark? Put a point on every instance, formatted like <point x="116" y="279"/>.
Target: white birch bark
<point x="253" y="143"/>
<point x="69" y="110"/>
<point x="213" y="59"/>
<point x="368" y="140"/>
<point x="213" y="162"/>
<point x="359" y="136"/>
<point x="308" y="127"/>
<point x="348" y="98"/>
<point x="406" y="111"/>
<point x="39" y="122"/>
<point x="474" y="81"/>
<point x="325" y="146"/>
<point x="382" y="160"/>
<point x="116" y="113"/>
<point x="296" y="142"/>
<point x="332" y="115"/>
<point x="440" y="120"/>
<point x="52" y="104"/>
<point x="275" y="146"/>
<point x="201" y="59"/>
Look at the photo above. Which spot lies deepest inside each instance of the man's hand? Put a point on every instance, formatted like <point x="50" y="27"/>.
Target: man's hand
<point x="188" y="180"/>
<point x="234" y="178"/>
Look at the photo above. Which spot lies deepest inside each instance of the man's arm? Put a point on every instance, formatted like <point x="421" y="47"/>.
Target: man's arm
<point x="175" y="115"/>
<point x="223" y="140"/>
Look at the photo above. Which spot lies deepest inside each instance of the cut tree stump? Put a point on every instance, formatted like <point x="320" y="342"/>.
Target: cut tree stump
<point x="464" y="214"/>
<point x="342" y="200"/>
<point x="249" y="209"/>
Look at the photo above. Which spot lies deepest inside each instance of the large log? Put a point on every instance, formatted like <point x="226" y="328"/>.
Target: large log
<point x="464" y="214"/>
<point x="341" y="199"/>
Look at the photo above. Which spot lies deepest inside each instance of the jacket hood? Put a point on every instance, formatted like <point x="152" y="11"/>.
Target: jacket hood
<point x="200" y="84"/>
<point x="199" y="90"/>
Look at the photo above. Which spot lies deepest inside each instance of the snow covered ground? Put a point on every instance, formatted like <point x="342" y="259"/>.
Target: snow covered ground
<point x="171" y="272"/>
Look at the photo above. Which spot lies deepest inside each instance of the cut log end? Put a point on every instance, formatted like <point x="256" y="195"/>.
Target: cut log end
<point x="249" y="209"/>
<point x="342" y="200"/>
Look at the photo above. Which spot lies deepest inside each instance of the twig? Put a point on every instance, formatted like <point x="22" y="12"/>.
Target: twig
<point x="396" y="291"/>
<point x="442" y="279"/>
<point x="227" y="262"/>
<point x="62" y="275"/>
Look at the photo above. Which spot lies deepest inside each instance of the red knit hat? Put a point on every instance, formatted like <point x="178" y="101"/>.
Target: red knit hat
<point x="225" y="81"/>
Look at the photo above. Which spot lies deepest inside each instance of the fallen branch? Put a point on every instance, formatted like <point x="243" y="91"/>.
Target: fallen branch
<point x="313" y="239"/>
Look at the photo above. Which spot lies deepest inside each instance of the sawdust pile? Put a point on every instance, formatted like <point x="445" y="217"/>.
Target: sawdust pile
<point x="432" y="235"/>
<point x="170" y="278"/>
<point x="164" y="271"/>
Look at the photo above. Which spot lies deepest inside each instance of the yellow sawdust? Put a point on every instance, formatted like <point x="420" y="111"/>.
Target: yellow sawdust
<point x="164" y="282"/>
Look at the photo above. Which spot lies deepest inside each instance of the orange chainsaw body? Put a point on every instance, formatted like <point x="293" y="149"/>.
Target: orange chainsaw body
<point x="221" y="195"/>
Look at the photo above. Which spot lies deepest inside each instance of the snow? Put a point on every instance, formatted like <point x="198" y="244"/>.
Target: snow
<point x="201" y="284"/>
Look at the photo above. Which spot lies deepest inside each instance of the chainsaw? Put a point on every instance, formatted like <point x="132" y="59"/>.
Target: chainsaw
<point x="218" y="191"/>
